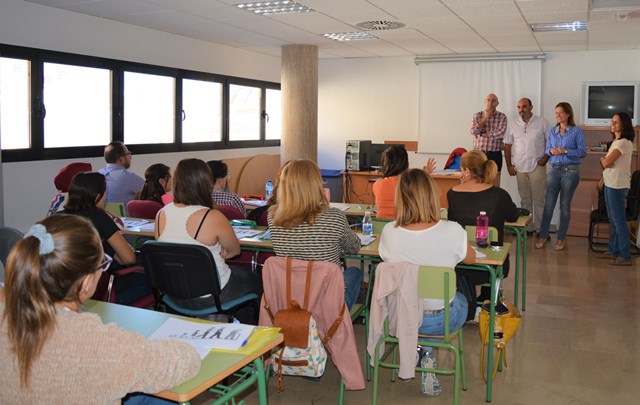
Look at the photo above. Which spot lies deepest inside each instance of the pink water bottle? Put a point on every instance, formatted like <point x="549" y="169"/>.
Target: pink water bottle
<point x="482" y="230"/>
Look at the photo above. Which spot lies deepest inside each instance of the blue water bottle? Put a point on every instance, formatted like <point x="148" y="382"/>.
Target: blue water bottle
<point x="268" y="190"/>
<point x="367" y="224"/>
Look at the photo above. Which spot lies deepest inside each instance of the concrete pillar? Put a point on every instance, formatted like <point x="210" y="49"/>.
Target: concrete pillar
<point x="299" y="84"/>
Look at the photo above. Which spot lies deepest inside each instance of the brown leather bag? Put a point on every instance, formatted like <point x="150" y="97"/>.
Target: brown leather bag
<point x="294" y="324"/>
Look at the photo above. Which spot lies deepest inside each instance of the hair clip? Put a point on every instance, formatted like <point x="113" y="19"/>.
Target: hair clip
<point x="46" y="240"/>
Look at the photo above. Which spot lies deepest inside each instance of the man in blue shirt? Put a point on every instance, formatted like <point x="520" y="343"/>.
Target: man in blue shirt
<point x="122" y="185"/>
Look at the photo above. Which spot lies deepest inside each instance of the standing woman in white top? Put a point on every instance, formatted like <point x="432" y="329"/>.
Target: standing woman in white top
<point x="192" y="219"/>
<point x="419" y="236"/>
<point x="617" y="180"/>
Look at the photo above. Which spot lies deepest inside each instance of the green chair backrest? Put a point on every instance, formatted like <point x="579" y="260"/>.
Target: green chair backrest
<point x="116" y="208"/>
<point x="378" y="224"/>
<point x="432" y="281"/>
<point x="471" y="233"/>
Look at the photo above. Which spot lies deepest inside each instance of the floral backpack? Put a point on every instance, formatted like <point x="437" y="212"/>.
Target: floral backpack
<point x="303" y="353"/>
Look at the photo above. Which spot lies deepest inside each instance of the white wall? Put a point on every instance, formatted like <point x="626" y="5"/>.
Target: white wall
<point x="28" y="186"/>
<point x="377" y="99"/>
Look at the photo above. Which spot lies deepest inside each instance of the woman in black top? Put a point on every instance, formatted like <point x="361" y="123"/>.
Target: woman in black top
<point x="476" y="193"/>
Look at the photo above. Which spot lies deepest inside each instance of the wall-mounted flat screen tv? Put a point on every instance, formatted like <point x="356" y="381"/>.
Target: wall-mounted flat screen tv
<point x="603" y="99"/>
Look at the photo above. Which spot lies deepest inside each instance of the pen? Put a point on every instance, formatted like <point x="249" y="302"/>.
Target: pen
<point x="354" y="225"/>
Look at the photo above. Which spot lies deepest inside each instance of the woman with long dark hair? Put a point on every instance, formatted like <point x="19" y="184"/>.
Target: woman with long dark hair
<point x="157" y="182"/>
<point x="617" y="181"/>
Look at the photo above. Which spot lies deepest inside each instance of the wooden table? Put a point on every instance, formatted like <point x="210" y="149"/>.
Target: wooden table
<point x="358" y="186"/>
<point x="215" y="367"/>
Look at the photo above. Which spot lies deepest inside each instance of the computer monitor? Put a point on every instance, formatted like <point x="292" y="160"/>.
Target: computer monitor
<point x="375" y="155"/>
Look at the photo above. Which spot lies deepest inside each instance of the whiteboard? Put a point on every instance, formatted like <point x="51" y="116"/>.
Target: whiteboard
<point x="451" y="92"/>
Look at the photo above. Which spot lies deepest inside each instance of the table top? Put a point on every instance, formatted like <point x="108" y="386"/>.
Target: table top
<point x="522" y="221"/>
<point x="215" y="367"/>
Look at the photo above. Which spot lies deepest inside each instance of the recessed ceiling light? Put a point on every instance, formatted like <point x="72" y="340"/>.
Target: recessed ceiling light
<point x="349" y="36"/>
<point x="380" y="25"/>
<point x="568" y="26"/>
<point x="275" y="7"/>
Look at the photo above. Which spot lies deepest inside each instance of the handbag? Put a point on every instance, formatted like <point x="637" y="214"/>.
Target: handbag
<point x="303" y="353"/>
<point x="506" y="323"/>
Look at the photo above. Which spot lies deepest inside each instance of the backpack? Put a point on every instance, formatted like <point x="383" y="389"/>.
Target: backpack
<point x="303" y="353"/>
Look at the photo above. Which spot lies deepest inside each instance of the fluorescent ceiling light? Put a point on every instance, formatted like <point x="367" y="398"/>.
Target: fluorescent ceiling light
<point x="275" y="7"/>
<point x="568" y="26"/>
<point x="349" y="36"/>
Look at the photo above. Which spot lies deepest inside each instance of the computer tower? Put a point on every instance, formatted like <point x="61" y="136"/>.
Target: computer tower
<point x="357" y="155"/>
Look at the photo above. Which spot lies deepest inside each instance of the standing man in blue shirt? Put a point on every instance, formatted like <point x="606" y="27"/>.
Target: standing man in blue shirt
<point x="122" y="185"/>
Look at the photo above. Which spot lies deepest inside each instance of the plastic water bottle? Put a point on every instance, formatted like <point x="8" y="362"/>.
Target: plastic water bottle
<point x="268" y="190"/>
<point x="367" y="224"/>
<point x="482" y="230"/>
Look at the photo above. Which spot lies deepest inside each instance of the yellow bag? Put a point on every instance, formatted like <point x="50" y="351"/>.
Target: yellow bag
<point x="505" y="326"/>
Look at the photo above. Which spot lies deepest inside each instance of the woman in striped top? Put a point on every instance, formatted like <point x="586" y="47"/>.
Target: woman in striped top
<point x="303" y="226"/>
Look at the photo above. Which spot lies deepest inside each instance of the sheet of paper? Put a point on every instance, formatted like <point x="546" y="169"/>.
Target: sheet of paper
<point x="133" y="222"/>
<point x="148" y="227"/>
<point x="204" y="336"/>
<point x="341" y="207"/>
<point x="479" y="254"/>
<point x="245" y="233"/>
<point x="255" y="203"/>
<point x="366" y="239"/>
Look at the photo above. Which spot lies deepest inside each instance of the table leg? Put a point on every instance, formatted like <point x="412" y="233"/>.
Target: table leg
<point x="262" y="380"/>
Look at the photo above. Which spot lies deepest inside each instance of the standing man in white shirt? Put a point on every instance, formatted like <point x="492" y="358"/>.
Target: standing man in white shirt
<point x="122" y="185"/>
<point x="524" y="146"/>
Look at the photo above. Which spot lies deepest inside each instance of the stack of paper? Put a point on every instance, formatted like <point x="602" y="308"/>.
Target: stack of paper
<point x="366" y="239"/>
<point x="205" y="336"/>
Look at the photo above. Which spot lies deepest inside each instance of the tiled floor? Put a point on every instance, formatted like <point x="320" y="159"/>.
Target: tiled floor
<point x="577" y="344"/>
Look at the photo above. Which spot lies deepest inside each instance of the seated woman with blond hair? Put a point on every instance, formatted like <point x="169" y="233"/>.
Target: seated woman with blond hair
<point x="476" y="193"/>
<point x="51" y="351"/>
<point x="304" y="227"/>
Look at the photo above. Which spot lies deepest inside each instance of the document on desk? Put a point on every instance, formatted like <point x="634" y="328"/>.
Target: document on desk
<point x="133" y="222"/>
<point x="366" y="239"/>
<point x="205" y="336"/>
<point x="341" y="207"/>
<point x="246" y="233"/>
<point x="255" y="203"/>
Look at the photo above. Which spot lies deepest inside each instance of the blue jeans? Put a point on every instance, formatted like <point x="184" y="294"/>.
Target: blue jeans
<point x="352" y="282"/>
<point x="433" y="324"/>
<point x="619" y="242"/>
<point x="563" y="181"/>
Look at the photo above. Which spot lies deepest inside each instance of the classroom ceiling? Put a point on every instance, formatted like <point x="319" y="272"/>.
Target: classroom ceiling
<point x="432" y="27"/>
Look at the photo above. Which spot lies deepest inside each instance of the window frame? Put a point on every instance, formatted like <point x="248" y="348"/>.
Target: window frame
<point x="37" y="58"/>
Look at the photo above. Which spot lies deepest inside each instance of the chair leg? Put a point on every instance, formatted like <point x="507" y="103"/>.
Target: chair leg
<point x="463" y="370"/>
<point x="341" y="397"/>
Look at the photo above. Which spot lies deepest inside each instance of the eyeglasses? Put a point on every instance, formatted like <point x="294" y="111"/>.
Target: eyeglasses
<point x="615" y="122"/>
<point x="128" y="154"/>
<point x="106" y="262"/>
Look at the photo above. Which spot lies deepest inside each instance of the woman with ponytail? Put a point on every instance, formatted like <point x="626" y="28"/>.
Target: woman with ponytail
<point x="476" y="193"/>
<point x="52" y="352"/>
<point x="157" y="182"/>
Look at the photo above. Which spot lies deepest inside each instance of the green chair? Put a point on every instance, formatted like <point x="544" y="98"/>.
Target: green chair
<point x="435" y="283"/>
<point x="116" y="208"/>
<point x="471" y="233"/>
<point x="378" y="224"/>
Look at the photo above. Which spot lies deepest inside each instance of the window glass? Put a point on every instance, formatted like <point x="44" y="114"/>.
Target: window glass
<point x="14" y="103"/>
<point x="201" y="111"/>
<point x="273" y="127"/>
<point x="77" y="103"/>
<point x="149" y="108"/>
<point x="244" y="113"/>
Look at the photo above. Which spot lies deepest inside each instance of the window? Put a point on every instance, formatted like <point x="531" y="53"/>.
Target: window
<point x="14" y="103"/>
<point x="149" y="108"/>
<point x="77" y="106"/>
<point x="201" y="111"/>
<point x="273" y="125"/>
<point x="56" y="105"/>
<point x="244" y="113"/>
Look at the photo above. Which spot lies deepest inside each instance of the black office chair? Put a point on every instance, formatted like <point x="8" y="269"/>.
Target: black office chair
<point x="8" y="238"/>
<point x="599" y="215"/>
<point x="181" y="272"/>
